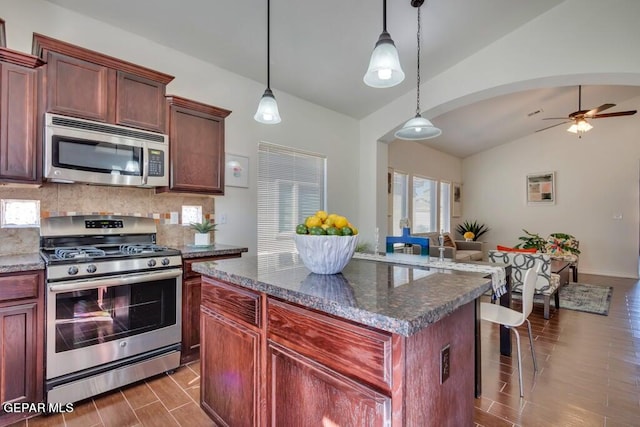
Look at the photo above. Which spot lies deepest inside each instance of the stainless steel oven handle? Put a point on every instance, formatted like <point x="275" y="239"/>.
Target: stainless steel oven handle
<point x="115" y="280"/>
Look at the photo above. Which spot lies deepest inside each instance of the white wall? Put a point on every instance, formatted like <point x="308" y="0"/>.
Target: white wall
<point x="596" y="178"/>
<point x="304" y="125"/>
<point x="547" y="51"/>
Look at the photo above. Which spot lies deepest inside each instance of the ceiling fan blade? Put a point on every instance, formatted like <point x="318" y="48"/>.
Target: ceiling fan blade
<point x="616" y="114"/>
<point x="554" y="118"/>
<point x="595" y="111"/>
<point x="578" y="113"/>
<point x="552" y="126"/>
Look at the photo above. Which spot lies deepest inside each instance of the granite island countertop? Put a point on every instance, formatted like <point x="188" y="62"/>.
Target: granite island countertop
<point x="396" y="298"/>
<point x="22" y="262"/>
<point x="217" y="249"/>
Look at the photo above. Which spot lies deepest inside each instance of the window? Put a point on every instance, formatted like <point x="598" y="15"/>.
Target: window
<point x="400" y="201"/>
<point x="291" y="187"/>
<point x="445" y="206"/>
<point x="424" y="212"/>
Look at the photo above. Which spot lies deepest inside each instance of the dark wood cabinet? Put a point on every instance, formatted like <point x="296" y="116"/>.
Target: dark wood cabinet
<point x="86" y="84"/>
<point x="191" y="285"/>
<point x="282" y="364"/>
<point x="21" y="341"/>
<point x="231" y="390"/>
<point x="196" y="144"/>
<point x="20" y="153"/>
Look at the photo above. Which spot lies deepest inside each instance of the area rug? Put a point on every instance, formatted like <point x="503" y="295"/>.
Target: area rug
<point x="582" y="297"/>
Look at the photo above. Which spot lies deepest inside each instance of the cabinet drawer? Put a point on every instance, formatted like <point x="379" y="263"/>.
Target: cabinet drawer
<point x="240" y="304"/>
<point x="19" y="286"/>
<point x="347" y="348"/>
<point x="188" y="270"/>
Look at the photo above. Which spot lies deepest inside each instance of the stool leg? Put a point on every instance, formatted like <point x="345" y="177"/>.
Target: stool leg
<point x="533" y="353"/>
<point x="519" y="361"/>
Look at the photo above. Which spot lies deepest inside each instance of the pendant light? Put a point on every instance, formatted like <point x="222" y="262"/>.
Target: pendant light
<point x="418" y="128"/>
<point x="384" y="67"/>
<point x="268" y="107"/>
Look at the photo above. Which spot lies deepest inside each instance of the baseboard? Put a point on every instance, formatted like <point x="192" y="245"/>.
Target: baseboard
<point x="607" y="273"/>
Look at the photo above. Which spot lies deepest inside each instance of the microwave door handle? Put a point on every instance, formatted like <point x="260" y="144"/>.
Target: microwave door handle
<point x="145" y="164"/>
<point x="114" y="281"/>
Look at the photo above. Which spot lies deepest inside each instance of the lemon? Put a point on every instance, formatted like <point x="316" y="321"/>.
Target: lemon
<point x="332" y="217"/>
<point x="330" y="221"/>
<point x="355" y="230"/>
<point x="322" y="215"/>
<point x="341" y="222"/>
<point x="313" y="221"/>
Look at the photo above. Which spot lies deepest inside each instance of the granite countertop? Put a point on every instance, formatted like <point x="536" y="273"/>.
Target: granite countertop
<point x="23" y="262"/>
<point x="396" y="298"/>
<point x="192" y="251"/>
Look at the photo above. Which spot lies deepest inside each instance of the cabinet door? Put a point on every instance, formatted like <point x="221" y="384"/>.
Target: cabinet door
<point x="303" y="392"/>
<point x="18" y="353"/>
<point x="18" y="142"/>
<point x="79" y="88"/>
<point x="230" y="385"/>
<point x="190" y="319"/>
<point x="140" y="102"/>
<point x="197" y="152"/>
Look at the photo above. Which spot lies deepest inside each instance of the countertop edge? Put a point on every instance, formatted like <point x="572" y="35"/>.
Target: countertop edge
<point x="21" y="262"/>
<point x="394" y="325"/>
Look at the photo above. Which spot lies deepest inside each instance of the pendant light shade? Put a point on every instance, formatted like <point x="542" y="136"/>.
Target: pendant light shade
<point x="384" y="67"/>
<point x="268" y="107"/>
<point x="418" y="128"/>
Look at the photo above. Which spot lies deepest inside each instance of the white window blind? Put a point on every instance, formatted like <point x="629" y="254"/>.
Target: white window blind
<point x="445" y="206"/>
<point x="291" y="186"/>
<point x="425" y="205"/>
<point x="400" y="201"/>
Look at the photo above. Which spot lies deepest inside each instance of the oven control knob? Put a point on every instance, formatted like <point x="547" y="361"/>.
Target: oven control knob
<point x="91" y="268"/>
<point x="123" y="344"/>
<point x="151" y="263"/>
<point x="165" y="261"/>
<point x="73" y="270"/>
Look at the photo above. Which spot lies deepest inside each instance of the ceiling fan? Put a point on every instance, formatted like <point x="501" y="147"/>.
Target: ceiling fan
<point x="578" y="118"/>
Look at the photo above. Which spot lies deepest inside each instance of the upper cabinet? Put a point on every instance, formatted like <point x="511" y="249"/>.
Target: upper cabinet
<point x="196" y="147"/>
<point x="19" y="148"/>
<point x="90" y="85"/>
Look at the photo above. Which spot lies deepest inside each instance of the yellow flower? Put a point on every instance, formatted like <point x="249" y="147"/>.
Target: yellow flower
<point x="469" y="235"/>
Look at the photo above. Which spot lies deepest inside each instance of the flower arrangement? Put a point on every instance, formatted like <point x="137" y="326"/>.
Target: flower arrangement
<point x="468" y="236"/>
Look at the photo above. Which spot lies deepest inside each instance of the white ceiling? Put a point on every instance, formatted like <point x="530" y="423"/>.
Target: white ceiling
<point x="320" y="51"/>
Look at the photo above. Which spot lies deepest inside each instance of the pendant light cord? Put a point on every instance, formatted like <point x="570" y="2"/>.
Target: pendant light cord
<point x="418" y="72"/>
<point x="268" y="44"/>
<point x="384" y="16"/>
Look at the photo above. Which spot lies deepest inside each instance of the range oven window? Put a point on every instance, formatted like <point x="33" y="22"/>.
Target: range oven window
<point x="96" y="156"/>
<point x="94" y="316"/>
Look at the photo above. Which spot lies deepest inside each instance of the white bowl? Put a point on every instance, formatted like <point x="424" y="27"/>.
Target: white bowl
<point x="325" y="254"/>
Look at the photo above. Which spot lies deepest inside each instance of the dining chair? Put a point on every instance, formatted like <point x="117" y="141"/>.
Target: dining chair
<point x="511" y="319"/>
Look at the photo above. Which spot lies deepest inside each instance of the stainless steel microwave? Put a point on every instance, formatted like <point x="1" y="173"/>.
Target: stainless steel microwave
<point x="77" y="150"/>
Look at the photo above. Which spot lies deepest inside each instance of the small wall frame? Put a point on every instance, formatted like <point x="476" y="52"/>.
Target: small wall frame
<point x="541" y="188"/>
<point x="236" y="171"/>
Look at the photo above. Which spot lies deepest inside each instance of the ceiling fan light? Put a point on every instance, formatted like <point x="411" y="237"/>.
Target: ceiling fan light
<point x="267" y="112"/>
<point x="580" y="126"/>
<point x="384" y="67"/>
<point x="418" y="128"/>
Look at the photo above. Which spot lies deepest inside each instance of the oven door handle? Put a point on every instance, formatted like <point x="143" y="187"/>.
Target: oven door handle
<point x="115" y="280"/>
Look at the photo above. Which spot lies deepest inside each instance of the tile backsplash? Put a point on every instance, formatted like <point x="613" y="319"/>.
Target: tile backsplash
<point x="80" y="199"/>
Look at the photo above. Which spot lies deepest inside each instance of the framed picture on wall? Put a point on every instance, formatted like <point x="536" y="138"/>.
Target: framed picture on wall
<point x="3" y="37"/>
<point x="541" y="188"/>
<point x="456" y="200"/>
<point x="237" y="171"/>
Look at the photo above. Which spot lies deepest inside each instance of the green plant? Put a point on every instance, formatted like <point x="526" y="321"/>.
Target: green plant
<point x="363" y="247"/>
<point x="203" y="227"/>
<point x="474" y="227"/>
<point x="532" y="240"/>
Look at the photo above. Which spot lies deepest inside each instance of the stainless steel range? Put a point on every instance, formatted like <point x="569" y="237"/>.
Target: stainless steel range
<point x="113" y="304"/>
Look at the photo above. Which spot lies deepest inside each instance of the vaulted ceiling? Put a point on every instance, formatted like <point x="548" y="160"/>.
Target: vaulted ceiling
<point x="320" y="51"/>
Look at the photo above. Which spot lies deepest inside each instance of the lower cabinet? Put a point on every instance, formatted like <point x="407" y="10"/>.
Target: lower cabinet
<point x="191" y="284"/>
<point x="268" y="362"/>
<point x="21" y="341"/>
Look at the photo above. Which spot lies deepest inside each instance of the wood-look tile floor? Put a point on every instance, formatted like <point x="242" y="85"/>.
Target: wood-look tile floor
<point x="589" y="375"/>
<point x="588" y="367"/>
<point x="161" y="401"/>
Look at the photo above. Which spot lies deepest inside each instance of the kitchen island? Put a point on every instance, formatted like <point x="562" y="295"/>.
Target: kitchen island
<point x="379" y="344"/>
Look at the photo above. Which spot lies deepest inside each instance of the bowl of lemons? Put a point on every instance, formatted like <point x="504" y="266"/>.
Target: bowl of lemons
<point x="326" y="242"/>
